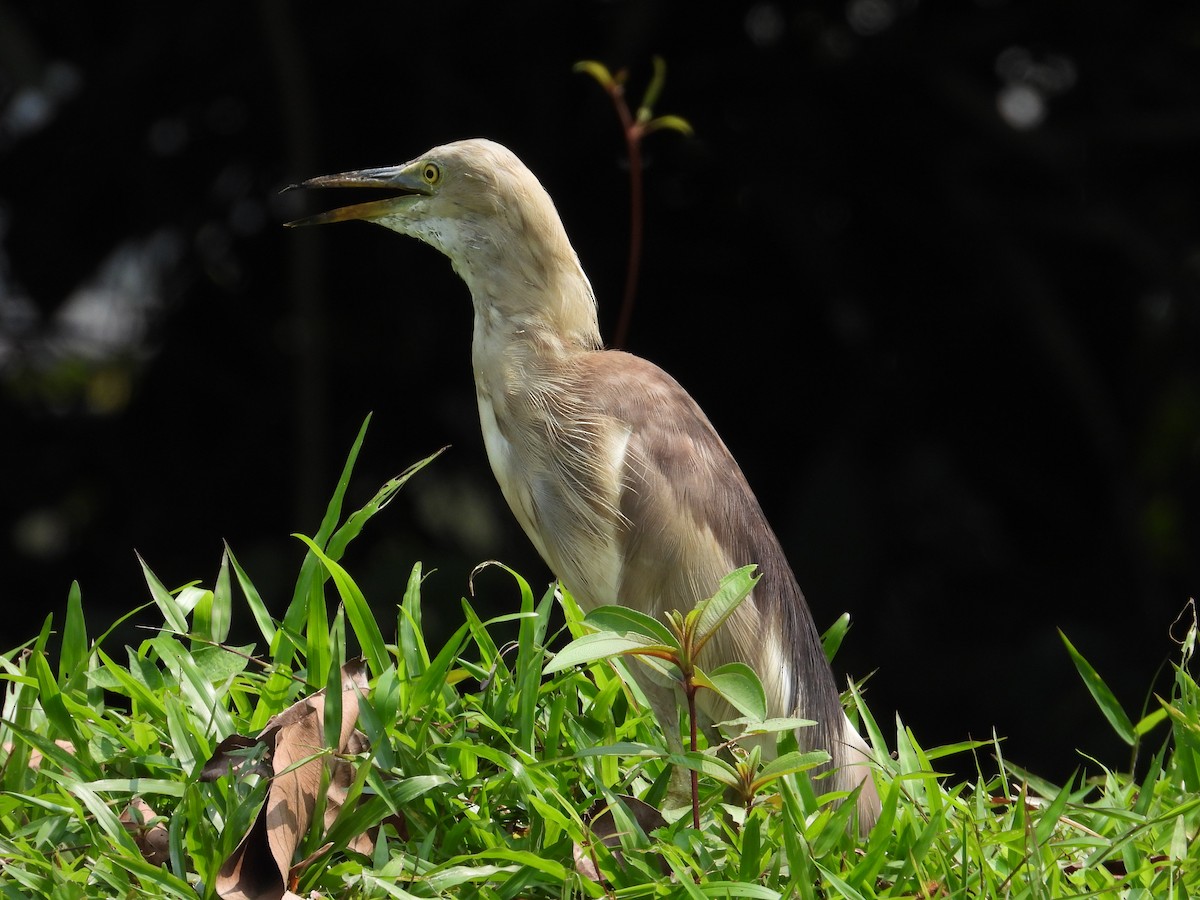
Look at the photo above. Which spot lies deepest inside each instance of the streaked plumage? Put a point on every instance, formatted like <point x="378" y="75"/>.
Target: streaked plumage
<point x="611" y="468"/>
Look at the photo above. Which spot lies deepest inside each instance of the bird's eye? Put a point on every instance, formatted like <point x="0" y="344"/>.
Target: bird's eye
<point x="431" y="173"/>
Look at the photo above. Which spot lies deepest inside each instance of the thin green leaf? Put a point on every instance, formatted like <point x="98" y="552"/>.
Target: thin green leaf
<point x="669" y="123"/>
<point x="1101" y="693"/>
<point x="413" y="652"/>
<point x="222" y="603"/>
<point x="51" y="700"/>
<point x="166" y="604"/>
<point x="832" y="639"/>
<point x="596" y="70"/>
<point x="357" y="520"/>
<point x="358" y="611"/>
<point x="262" y="618"/>
<point x="74" y="653"/>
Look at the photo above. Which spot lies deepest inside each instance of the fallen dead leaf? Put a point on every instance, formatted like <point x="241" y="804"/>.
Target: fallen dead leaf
<point x="151" y="836"/>
<point x="295" y="756"/>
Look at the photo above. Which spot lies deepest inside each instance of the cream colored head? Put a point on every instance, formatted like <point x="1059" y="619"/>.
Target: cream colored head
<point x="476" y="202"/>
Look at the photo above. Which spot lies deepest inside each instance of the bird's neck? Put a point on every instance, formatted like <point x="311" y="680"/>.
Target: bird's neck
<point x="541" y="304"/>
<point x="520" y="341"/>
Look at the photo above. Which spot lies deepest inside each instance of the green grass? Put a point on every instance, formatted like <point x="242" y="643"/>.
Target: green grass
<point x="481" y="770"/>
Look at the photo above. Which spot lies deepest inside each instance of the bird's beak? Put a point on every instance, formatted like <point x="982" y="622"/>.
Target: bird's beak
<point x="405" y="184"/>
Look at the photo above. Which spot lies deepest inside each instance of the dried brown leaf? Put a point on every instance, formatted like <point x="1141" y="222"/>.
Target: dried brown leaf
<point x="341" y="775"/>
<point x="152" y="839"/>
<point x="230" y="758"/>
<point x="297" y="755"/>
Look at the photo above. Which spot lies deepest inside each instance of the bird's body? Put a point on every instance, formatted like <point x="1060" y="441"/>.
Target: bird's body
<point x="611" y="468"/>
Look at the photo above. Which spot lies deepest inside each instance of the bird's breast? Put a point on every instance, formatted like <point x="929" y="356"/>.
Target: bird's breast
<point x="564" y="495"/>
<point x="508" y="468"/>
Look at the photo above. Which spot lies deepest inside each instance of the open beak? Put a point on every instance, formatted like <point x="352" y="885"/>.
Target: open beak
<point x="404" y="185"/>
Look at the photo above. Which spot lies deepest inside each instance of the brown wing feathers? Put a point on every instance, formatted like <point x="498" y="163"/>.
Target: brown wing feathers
<point x="685" y="493"/>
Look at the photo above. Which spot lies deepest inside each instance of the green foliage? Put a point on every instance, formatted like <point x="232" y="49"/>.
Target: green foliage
<point x="644" y="119"/>
<point x="487" y="764"/>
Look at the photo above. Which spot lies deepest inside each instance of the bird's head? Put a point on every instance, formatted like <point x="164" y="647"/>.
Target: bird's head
<point x="442" y="197"/>
<point x="476" y="202"/>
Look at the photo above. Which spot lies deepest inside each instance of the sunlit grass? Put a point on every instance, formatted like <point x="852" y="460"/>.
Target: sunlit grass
<point x="482" y="770"/>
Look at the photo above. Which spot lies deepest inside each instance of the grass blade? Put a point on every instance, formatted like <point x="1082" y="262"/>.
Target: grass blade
<point x="73" y="656"/>
<point x="358" y="611"/>
<point x="172" y="614"/>
<point x="1101" y="693"/>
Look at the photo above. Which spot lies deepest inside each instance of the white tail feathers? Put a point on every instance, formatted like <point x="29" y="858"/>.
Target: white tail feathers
<point x="856" y="771"/>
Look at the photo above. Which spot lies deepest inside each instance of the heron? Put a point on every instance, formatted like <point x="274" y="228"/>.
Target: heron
<point x="614" y="473"/>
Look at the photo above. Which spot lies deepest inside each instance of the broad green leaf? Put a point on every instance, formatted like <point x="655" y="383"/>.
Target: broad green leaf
<point x="953" y="749"/>
<point x="791" y="763"/>
<point x="751" y="725"/>
<point x="310" y="579"/>
<point x="623" y="748"/>
<point x="869" y="725"/>
<point x="318" y="654"/>
<point x="881" y="841"/>
<point x="841" y="888"/>
<point x="209" y="717"/>
<point x="719" y="889"/>
<point x="428" y="689"/>
<point x="602" y="645"/>
<point x="624" y="620"/>
<point x="116" y="678"/>
<point x="101" y="812"/>
<point x="712" y="613"/>
<point x="218" y="664"/>
<point x="63" y="758"/>
<point x="706" y="764"/>
<point x="332" y="719"/>
<point x="738" y="684"/>
<point x="169" y="884"/>
<point x="1179" y="840"/>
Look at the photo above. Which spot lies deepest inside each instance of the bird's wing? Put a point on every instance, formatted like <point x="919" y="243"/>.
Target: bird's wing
<point x="691" y="518"/>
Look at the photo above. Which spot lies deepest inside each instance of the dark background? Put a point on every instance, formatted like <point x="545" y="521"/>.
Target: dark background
<point x="932" y="270"/>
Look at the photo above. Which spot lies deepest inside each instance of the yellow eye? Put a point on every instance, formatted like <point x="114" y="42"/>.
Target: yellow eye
<point x="431" y="173"/>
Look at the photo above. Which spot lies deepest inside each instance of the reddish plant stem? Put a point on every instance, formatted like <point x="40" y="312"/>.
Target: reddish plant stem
<point x="694" y="746"/>
<point x="633" y="144"/>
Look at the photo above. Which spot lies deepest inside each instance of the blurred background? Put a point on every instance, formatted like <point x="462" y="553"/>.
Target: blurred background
<point x="933" y="270"/>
